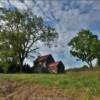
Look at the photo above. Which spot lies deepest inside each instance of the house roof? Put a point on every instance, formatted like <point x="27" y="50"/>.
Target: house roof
<point x="41" y="58"/>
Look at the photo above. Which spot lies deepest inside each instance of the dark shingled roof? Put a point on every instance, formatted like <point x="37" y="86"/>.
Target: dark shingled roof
<point x="43" y="58"/>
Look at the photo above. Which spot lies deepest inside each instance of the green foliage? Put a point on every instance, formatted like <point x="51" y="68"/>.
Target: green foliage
<point x="18" y="34"/>
<point x="85" y="46"/>
<point x="98" y="55"/>
<point x="1" y="69"/>
<point x="98" y="62"/>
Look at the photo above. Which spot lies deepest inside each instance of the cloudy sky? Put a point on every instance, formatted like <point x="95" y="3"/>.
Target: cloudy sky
<point x="67" y="16"/>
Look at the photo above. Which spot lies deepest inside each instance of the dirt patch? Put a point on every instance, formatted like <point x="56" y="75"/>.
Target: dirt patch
<point x="11" y="90"/>
<point x="7" y="87"/>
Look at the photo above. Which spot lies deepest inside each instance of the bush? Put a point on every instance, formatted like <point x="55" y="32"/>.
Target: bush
<point x="85" y="67"/>
<point x="1" y="69"/>
<point x="26" y="69"/>
<point x="13" y="68"/>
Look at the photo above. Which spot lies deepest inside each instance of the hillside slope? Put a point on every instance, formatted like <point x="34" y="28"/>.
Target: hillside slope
<point x="84" y="85"/>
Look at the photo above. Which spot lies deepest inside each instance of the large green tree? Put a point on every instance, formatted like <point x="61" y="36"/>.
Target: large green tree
<point x="19" y="32"/>
<point x="84" y="46"/>
<point x="98" y="55"/>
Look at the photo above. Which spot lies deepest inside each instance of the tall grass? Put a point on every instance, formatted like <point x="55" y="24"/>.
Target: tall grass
<point x="74" y="82"/>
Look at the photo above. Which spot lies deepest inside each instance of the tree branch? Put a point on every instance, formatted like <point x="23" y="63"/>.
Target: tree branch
<point x="33" y="50"/>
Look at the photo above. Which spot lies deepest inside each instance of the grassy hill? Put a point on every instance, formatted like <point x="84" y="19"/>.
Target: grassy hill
<point x="83" y="85"/>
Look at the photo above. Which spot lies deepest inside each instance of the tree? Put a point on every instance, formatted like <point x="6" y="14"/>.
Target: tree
<point x="98" y="55"/>
<point x="84" y="46"/>
<point x="19" y="32"/>
<point x="98" y="62"/>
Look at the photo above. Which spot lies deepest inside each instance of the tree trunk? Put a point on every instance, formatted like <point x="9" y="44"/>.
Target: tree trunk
<point x="90" y="64"/>
<point x="21" y="65"/>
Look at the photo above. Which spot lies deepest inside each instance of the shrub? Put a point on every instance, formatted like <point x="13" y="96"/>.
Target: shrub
<point x="12" y="68"/>
<point x="1" y="69"/>
<point x="26" y="69"/>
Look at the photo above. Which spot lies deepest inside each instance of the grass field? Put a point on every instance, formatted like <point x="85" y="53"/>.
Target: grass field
<point x="84" y="85"/>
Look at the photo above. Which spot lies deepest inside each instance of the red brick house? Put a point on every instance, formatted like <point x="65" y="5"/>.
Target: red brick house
<point x="47" y="64"/>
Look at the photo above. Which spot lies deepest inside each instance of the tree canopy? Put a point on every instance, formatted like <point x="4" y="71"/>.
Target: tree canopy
<point x="19" y="31"/>
<point x="84" y="46"/>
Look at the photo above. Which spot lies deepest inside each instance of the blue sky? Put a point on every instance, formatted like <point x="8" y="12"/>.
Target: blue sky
<point x="68" y="17"/>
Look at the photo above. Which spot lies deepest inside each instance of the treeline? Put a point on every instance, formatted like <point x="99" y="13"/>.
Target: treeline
<point x="13" y="68"/>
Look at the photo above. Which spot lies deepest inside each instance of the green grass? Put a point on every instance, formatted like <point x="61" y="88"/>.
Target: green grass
<point x="87" y="81"/>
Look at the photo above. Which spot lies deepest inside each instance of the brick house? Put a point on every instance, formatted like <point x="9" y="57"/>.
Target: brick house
<point x="48" y="64"/>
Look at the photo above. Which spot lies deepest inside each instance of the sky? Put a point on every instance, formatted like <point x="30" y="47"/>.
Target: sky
<point x="68" y="17"/>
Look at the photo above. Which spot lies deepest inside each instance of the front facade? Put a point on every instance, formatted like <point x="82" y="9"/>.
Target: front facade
<point x="47" y="64"/>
